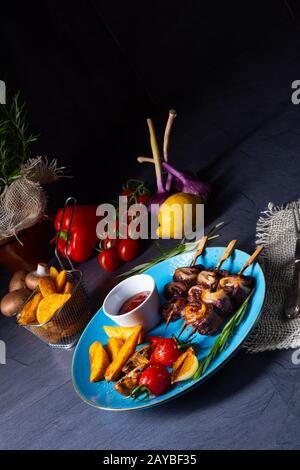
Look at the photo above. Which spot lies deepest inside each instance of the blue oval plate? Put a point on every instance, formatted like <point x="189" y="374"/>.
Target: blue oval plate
<point x="102" y="395"/>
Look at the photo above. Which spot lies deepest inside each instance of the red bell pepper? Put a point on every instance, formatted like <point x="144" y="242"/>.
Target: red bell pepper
<point x="83" y="237"/>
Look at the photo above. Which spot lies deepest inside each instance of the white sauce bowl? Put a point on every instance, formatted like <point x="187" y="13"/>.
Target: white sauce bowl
<point x="146" y="314"/>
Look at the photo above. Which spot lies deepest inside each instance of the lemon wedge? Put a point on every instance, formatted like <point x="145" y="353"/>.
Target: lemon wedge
<point x="185" y="366"/>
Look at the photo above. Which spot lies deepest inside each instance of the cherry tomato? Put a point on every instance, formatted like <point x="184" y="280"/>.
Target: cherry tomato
<point x="156" y="378"/>
<point x="110" y="243"/>
<point x="166" y="352"/>
<point x="143" y="199"/>
<point x="109" y="260"/>
<point x="154" y="340"/>
<point x="128" y="249"/>
<point x="127" y="192"/>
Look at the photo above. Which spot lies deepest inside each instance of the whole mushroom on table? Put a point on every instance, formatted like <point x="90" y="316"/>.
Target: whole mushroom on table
<point x="21" y="286"/>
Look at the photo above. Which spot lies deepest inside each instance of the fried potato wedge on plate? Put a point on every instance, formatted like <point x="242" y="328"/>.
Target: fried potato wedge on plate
<point x="113" y="347"/>
<point x="99" y="361"/>
<point x="128" y="348"/>
<point x="121" y="332"/>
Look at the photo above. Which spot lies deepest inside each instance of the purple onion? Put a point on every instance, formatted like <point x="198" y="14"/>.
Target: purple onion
<point x="156" y="201"/>
<point x="187" y="183"/>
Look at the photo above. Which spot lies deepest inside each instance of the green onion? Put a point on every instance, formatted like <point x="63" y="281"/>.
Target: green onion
<point x="182" y="247"/>
<point x="222" y="341"/>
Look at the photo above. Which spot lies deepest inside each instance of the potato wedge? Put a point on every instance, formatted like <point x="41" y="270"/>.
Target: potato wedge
<point x="69" y="287"/>
<point x="28" y="314"/>
<point x="60" y="281"/>
<point x="128" y="348"/>
<point x="113" y="347"/>
<point x="47" y="286"/>
<point x="53" y="272"/>
<point x="49" y="305"/>
<point x="99" y="361"/>
<point x="121" y="332"/>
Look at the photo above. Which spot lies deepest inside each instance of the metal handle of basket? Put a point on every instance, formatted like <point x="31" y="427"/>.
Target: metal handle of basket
<point x="70" y="202"/>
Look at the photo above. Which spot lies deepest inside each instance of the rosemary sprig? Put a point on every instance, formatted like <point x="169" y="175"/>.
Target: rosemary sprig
<point x="15" y="140"/>
<point x="222" y="341"/>
<point x="182" y="247"/>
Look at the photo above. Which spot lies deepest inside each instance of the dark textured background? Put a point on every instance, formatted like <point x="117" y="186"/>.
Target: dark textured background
<point x="91" y="73"/>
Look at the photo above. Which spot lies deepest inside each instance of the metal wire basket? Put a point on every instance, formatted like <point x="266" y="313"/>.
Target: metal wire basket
<point x="65" y="327"/>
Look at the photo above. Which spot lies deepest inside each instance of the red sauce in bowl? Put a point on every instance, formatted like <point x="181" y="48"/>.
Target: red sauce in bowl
<point x="133" y="302"/>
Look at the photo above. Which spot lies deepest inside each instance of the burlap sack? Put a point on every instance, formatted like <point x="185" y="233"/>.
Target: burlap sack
<point x="275" y="229"/>
<point x="23" y="202"/>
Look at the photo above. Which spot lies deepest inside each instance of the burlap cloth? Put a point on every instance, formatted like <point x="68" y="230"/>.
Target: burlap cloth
<point x="275" y="229"/>
<point x="23" y="202"/>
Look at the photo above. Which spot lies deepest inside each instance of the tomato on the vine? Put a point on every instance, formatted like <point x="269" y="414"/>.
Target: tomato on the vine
<point x="143" y="199"/>
<point x="110" y="243"/>
<point x="128" y="249"/>
<point x="166" y="352"/>
<point x="156" y="378"/>
<point x="128" y="192"/>
<point x="109" y="260"/>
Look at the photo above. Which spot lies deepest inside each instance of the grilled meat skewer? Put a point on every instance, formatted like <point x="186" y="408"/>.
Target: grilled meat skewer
<point x="237" y="286"/>
<point x="175" y="289"/>
<point x="172" y="309"/>
<point x="219" y="299"/>
<point x="188" y="275"/>
<point x="202" y="317"/>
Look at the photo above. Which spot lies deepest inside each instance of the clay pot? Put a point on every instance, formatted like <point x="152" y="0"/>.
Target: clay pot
<point x="36" y="247"/>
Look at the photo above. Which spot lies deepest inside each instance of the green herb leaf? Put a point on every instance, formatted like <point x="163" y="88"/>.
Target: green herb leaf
<point x="222" y="341"/>
<point x="182" y="247"/>
<point x="15" y="140"/>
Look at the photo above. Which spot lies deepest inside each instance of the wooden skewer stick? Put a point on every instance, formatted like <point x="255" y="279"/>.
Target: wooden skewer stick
<point x="224" y="257"/>
<point x="182" y="329"/>
<point x="194" y="330"/>
<point x="252" y="258"/>
<point x="198" y="252"/>
<point x="226" y="253"/>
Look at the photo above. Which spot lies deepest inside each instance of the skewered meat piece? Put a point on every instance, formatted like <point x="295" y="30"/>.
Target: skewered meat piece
<point x="175" y="289"/>
<point x="138" y="359"/>
<point x="188" y="275"/>
<point x="219" y="299"/>
<point x="208" y="279"/>
<point x="203" y="318"/>
<point x="173" y="308"/>
<point x="194" y="294"/>
<point x="237" y="286"/>
<point x="126" y="384"/>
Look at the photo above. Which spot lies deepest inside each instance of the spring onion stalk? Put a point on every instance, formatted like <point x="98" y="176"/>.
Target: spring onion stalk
<point x="183" y="247"/>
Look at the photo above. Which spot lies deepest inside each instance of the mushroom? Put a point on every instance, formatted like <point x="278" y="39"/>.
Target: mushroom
<point x="32" y="278"/>
<point x="17" y="281"/>
<point x="13" y="301"/>
<point x="188" y="275"/>
<point x="175" y="289"/>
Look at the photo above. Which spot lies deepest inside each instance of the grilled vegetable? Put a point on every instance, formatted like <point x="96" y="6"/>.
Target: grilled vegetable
<point x="126" y="384"/>
<point x="139" y="358"/>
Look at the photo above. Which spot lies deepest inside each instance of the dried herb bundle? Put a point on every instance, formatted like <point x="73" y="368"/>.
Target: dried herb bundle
<point x="15" y="140"/>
